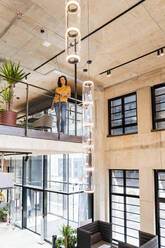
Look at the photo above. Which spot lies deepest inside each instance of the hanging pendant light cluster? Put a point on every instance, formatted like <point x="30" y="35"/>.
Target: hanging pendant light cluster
<point x="73" y="36"/>
<point x="88" y="124"/>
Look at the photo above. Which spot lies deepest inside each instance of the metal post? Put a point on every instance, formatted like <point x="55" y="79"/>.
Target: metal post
<point x="27" y="108"/>
<point x="54" y="237"/>
<point x="58" y="121"/>
<point x="75" y="96"/>
<point x="2" y="162"/>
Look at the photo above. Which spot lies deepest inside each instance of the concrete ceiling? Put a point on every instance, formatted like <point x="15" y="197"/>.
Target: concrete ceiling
<point x="137" y="32"/>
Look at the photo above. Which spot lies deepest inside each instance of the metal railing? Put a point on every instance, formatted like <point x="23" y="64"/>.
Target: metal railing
<point x="51" y="95"/>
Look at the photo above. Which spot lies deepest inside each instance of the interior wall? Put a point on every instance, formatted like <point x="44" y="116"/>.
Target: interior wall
<point x="143" y="151"/>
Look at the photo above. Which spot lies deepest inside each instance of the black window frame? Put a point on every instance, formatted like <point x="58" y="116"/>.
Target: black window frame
<point x="123" y="126"/>
<point x="125" y="204"/>
<point x="153" y="96"/>
<point x="157" y="209"/>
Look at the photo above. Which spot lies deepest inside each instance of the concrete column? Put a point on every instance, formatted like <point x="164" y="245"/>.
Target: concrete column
<point x="147" y="200"/>
<point x="144" y="110"/>
<point x="100" y="170"/>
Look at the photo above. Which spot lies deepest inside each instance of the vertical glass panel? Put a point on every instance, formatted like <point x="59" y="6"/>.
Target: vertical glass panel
<point x="18" y="170"/>
<point x="33" y="207"/>
<point x="76" y="172"/>
<point x="18" y="206"/>
<point x="57" y="172"/>
<point x="34" y="171"/>
<point x="56" y="214"/>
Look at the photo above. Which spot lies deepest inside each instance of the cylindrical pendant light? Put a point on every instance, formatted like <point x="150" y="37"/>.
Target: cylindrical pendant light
<point x="73" y="36"/>
<point x="88" y="123"/>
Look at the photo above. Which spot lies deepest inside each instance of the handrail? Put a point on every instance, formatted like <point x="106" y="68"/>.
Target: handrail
<point x="38" y="87"/>
<point x="52" y="94"/>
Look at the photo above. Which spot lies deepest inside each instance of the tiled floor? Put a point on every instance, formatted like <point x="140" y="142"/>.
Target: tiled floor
<point x="17" y="238"/>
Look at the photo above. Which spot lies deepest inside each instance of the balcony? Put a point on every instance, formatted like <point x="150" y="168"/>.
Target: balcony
<point x="35" y="119"/>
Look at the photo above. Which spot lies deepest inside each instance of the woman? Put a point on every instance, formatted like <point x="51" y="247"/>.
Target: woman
<point x="64" y="91"/>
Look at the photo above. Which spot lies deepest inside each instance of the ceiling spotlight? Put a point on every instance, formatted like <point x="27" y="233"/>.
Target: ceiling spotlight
<point x="46" y="43"/>
<point x="108" y="73"/>
<point x="85" y="70"/>
<point x="158" y="53"/>
<point x="42" y="31"/>
<point x="161" y="52"/>
<point x="89" y="62"/>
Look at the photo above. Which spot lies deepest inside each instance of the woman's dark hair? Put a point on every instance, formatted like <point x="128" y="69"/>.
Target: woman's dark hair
<point x="59" y="82"/>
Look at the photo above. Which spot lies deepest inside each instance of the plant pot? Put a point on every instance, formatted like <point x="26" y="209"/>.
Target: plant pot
<point x="8" y="118"/>
<point x="4" y="219"/>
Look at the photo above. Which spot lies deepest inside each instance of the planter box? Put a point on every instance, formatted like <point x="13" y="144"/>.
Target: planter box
<point x="8" y="118"/>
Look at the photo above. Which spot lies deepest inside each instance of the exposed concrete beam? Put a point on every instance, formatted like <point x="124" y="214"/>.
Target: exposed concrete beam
<point x="38" y="146"/>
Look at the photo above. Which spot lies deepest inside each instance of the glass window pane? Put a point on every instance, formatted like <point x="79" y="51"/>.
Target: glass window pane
<point x="132" y="201"/>
<point x="130" y="106"/>
<point x="34" y="171"/>
<point x="160" y="90"/>
<point x="160" y="106"/>
<point x="130" y="129"/>
<point x="116" y="123"/>
<point x="117" y="236"/>
<point x="118" y="206"/>
<point x="131" y="98"/>
<point x="117" y="189"/>
<point x="117" y="131"/>
<point x="130" y="113"/>
<point x="116" y="198"/>
<point x="130" y="120"/>
<point x="117" y="181"/>
<point x="132" y="191"/>
<point x="133" y="241"/>
<point x="116" y="116"/>
<point x="115" y="102"/>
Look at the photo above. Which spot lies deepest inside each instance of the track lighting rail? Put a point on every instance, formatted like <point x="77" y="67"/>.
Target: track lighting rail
<point x="159" y="51"/>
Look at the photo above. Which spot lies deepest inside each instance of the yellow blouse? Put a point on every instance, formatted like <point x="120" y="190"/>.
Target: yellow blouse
<point x="62" y="90"/>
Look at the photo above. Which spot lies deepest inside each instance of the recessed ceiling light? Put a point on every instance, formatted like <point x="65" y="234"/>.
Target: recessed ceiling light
<point x="46" y="43"/>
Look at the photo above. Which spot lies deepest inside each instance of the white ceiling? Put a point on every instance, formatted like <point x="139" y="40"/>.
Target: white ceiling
<point x="137" y="32"/>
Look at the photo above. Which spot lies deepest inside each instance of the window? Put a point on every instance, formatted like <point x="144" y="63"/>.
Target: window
<point x="158" y="107"/>
<point x="160" y="206"/>
<point x="48" y="187"/>
<point x="125" y="206"/>
<point x="122" y="112"/>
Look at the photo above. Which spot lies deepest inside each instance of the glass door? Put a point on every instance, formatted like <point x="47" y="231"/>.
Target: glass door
<point x="33" y="210"/>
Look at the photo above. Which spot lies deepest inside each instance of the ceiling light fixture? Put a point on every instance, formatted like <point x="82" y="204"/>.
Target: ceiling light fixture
<point x="73" y="35"/>
<point x="158" y="53"/>
<point x="108" y="73"/>
<point x="72" y="6"/>
<point x="161" y="52"/>
<point x="46" y="43"/>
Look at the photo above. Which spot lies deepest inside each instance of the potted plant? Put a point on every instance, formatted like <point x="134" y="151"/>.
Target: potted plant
<point x="12" y="72"/>
<point x="3" y="213"/>
<point x="69" y="238"/>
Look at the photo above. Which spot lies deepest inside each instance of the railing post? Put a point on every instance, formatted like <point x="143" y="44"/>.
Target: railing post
<point x="59" y="113"/>
<point x="27" y="108"/>
<point x="54" y="237"/>
<point x="75" y="96"/>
